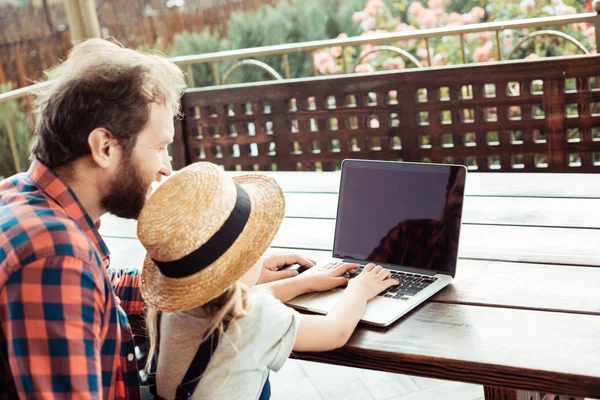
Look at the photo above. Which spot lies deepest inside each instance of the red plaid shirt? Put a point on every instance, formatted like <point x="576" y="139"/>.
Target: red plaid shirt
<point x="62" y="332"/>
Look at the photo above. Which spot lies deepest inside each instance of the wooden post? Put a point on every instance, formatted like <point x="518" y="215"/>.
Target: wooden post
<point x="90" y="18"/>
<point x="83" y="20"/>
<point x="494" y="393"/>
<point x="2" y="75"/>
<point x="281" y="132"/>
<point x="23" y="82"/>
<point x="48" y="16"/>
<point x="596" y="5"/>
<point x="75" y="23"/>
<point x="11" y="138"/>
<point x="554" y="109"/>
<point x="21" y="73"/>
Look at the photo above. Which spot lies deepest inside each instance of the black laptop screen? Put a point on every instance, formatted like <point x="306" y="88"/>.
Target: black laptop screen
<point x="400" y="213"/>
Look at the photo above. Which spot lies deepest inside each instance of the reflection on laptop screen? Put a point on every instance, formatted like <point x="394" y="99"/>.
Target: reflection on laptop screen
<point x="400" y="213"/>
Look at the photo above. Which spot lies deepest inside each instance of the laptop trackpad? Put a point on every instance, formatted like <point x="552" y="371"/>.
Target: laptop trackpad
<point x="324" y="301"/>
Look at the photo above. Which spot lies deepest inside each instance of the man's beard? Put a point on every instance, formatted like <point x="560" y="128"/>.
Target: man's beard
<point x="127" y="192"/>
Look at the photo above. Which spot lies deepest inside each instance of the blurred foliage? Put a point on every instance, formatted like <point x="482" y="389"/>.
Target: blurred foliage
<point x="289" y="22"/>
<point x="20" y="125"/>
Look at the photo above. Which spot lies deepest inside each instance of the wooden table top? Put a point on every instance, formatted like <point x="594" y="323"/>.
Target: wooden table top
<point x="523" y="311"/>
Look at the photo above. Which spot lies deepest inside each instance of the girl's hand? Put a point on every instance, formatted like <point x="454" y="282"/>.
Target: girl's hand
<point x="371" y="281"/>
<point x="327" y="279"/>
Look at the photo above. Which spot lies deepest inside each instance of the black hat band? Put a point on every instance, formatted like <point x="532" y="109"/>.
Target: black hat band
<point x="216" y="246"/>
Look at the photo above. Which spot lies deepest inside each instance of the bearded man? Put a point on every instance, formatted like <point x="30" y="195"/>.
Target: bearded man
<point x="103" y="128"/>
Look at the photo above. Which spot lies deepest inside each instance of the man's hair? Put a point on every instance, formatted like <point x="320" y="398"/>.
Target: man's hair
<point x="101" y="85"/>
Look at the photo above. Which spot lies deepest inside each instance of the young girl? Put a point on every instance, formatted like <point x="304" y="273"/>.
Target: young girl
<point x="216" y="335"/>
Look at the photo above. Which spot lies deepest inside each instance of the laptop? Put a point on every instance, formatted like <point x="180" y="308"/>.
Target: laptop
<point x="403" y="216"/>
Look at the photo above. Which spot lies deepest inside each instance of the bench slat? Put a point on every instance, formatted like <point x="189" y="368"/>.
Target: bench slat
<point x="518" y="211"/>
<point x="489" y="242"/>
<point x="522" y="349"/>
<point x="478" y="184"/>
<point x="517" y="285"/>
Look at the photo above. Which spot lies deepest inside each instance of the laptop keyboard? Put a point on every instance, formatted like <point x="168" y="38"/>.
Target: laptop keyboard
<point x="410" y="284"/>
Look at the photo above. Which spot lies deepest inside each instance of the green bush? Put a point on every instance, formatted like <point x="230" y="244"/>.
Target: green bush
<point x="22" y="135"/>
<point x="187" y="43"/>
<point x="190" y="43"/>
<point x="289" y="22"/>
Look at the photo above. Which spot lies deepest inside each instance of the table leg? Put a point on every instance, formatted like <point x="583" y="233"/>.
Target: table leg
<point x="497" y="393"/>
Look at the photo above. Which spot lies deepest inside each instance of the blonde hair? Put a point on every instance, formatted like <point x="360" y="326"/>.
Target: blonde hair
<point x="229" y="306"/>
<point x="101" y="84"/>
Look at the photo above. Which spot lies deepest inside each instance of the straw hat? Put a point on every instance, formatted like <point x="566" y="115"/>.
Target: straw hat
<point x="203" y="231"/>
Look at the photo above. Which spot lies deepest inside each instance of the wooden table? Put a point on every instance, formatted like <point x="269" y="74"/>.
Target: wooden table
<point x="523" y="314"/>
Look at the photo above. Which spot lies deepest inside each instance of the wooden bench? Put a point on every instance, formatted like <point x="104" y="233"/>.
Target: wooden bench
<point x="518" y="230"/>
<point x="540" y="116"/>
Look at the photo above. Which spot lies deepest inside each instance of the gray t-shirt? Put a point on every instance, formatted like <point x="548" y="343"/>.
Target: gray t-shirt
<point x="265" y="340"/>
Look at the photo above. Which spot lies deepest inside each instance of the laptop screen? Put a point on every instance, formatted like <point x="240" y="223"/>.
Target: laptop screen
<point x="400" y="213"/>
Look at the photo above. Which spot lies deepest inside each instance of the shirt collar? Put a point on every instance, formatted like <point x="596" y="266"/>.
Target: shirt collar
<point x="55" y="188"/>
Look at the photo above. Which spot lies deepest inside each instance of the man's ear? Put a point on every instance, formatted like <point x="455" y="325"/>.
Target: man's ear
<point x="104" y="147"/>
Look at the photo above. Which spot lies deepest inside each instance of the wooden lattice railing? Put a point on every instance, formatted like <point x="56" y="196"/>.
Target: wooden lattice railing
<point x="513" y="116"/>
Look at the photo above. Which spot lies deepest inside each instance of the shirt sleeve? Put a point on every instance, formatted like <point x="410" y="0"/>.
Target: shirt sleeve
<point x="126" y="283"/>
<point x="276" y="326"/>
<point x="52" y="311"/>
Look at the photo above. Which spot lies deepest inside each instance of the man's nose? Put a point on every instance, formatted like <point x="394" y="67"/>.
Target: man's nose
<point x="166" y="169"/>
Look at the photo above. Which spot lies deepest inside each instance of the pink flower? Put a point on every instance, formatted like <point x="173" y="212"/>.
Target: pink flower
<point x="422" y="53"/>
<point x="325" y="63"/>
<point x="567" y="10"/>
<point x="336" y="51"/>
<point x="373" y="6"/>
<point x="364" y="68"/>
<point x="393" y="94"/>
<point x="532" y="56"/>
<point x="374" y="32"/>
<point x="507" y="42"/>
<point x="393" y="63"/>
<point x="467" y="19"/>
<point x="416" y="8"/>
<point x="527" y="6"/>
<point x="366" y="52"/>
<point x="402" y="27"/>
<point x="368" y="23"/>
<point x="427" y="18"/>
<point x="454" y="19"/>
<point x="374" y="123"/>
<point x="484" y="36"/>
<point x="483" y="53"/>
<point x="478" y="13"/>
<point x="359" y="16"/>
<point x="435" y="4"/>
<point x="590" y="32"/>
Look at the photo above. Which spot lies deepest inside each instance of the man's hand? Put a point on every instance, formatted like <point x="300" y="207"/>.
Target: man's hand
<point x="272" y="262"/>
